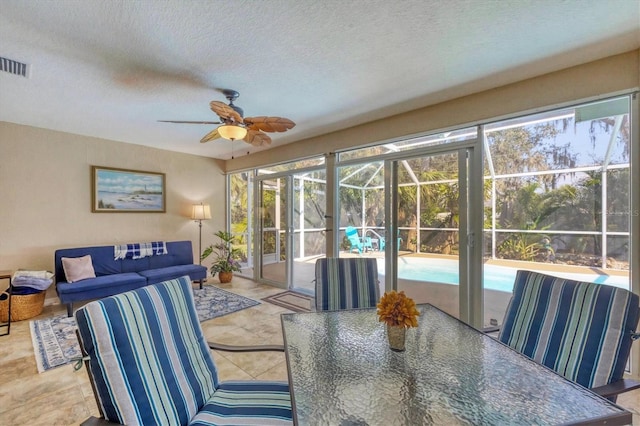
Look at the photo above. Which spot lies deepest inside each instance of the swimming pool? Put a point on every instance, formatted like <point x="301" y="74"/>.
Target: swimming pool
<point x="496" y="277"/>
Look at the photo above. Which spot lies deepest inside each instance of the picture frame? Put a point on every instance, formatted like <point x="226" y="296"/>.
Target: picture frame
<point x="116" y="190"/>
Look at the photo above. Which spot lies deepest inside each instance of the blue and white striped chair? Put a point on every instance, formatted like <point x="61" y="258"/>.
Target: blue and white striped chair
<point x="346" y="283"/>
<point x="583" y="331"/>
<point x="150" y="364"/>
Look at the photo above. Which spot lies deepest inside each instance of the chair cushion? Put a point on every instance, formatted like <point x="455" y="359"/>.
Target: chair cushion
<point x="346" y="283"/>
<point x="247" y="403"/>
<point x="154" y="367"/>
<point x="580" y="330"/>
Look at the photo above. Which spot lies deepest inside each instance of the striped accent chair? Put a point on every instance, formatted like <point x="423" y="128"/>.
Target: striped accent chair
<point x="583" y="331"/>
<point x="150" y="364"/>
<point x="346" y="283"/>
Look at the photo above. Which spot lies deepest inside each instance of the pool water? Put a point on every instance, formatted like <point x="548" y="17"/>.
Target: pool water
<point x="499" y="278"/>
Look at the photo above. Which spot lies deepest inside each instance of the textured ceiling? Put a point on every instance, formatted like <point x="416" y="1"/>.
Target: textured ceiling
<point x="112" y="68"/>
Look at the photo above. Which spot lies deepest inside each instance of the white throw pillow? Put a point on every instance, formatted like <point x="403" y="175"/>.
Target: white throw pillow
<point x="78" y="268"/>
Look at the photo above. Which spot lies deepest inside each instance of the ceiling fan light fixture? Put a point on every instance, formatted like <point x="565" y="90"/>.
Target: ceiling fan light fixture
<point x="232" y="132"/>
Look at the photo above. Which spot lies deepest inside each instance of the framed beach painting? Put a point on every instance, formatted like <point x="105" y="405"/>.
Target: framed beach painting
<point x="127" y="191"/>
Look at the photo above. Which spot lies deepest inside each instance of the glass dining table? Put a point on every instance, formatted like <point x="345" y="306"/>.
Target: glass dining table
<point x="342" y="372"/>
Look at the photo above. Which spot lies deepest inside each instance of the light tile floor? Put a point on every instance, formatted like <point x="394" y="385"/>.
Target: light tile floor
<point x="63" y="396"/>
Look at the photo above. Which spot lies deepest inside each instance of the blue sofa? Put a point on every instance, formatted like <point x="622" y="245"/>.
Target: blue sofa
<point x="117" y="276"/>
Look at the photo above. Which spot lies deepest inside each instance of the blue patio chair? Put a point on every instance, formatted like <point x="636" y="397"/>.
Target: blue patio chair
<point x="367" y="242"/>
<point x="583" y="331"/>
<point x="354" y="239"/>
<point x="377" y="238"/>
<point x="346" y="283"/>
<point x="358" y="243"/>
<point x="383" y="244"/>
<point x="150" y="364"/>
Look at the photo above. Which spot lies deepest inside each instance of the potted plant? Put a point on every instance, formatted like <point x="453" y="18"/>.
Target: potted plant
<point x="226" y="257"/>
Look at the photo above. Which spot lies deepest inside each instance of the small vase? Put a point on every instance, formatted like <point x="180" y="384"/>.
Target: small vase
<point x="225" y="277"/>
<point x="396" y="336"/>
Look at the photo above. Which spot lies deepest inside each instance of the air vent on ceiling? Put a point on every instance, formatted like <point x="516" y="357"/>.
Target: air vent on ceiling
<point x="14" y="67"/>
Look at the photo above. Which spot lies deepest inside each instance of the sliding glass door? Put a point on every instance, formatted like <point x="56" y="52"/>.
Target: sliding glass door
<point x="291" y="225"/>
<point x="308" y="242"/>
<point x="272" y="229"/>
<point x="428" y="245"/>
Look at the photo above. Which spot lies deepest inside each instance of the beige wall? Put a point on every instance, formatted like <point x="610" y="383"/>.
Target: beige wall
<point x="599" y="78"/>
<point x="45" y="195"/>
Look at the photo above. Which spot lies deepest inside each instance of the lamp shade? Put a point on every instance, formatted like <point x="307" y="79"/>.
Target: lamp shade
<point x="232" y="132"/>
<point x="201" y="212"/>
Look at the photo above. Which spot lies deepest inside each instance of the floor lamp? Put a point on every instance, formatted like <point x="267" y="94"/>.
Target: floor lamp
<point x="199" y="213"/>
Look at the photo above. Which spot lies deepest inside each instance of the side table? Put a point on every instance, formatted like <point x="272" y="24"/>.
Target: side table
<point x="6" y="275"/>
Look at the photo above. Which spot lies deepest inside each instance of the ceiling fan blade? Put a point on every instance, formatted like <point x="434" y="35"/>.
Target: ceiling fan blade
<point x="189" y="122"/>
<point x="257" y="138"/>
<point x="269" y="124"/>
<point x="210" y="136"/>
<point x="225" y="112"/>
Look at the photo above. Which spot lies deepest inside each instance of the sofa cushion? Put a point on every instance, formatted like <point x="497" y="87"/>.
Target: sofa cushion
<point x="137" y="265"/>
<point x="78" y="268"/>
<point x="158" y="275"/>
<point x="178" y="253"/>
<point x="107" y="282"/>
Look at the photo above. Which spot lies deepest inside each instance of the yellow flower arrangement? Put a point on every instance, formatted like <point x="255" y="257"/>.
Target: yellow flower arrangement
<point x="396" y="309"/>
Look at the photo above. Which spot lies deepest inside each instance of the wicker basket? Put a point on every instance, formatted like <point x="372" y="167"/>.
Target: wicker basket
<point x="22" y="306"/>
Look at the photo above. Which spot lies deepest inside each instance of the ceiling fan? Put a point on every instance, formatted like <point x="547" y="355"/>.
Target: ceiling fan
<point x="235" y="126"/>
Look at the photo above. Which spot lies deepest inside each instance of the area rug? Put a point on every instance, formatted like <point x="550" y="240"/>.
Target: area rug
<point x="293" y="301"/>
<point x="55" y="343"/>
